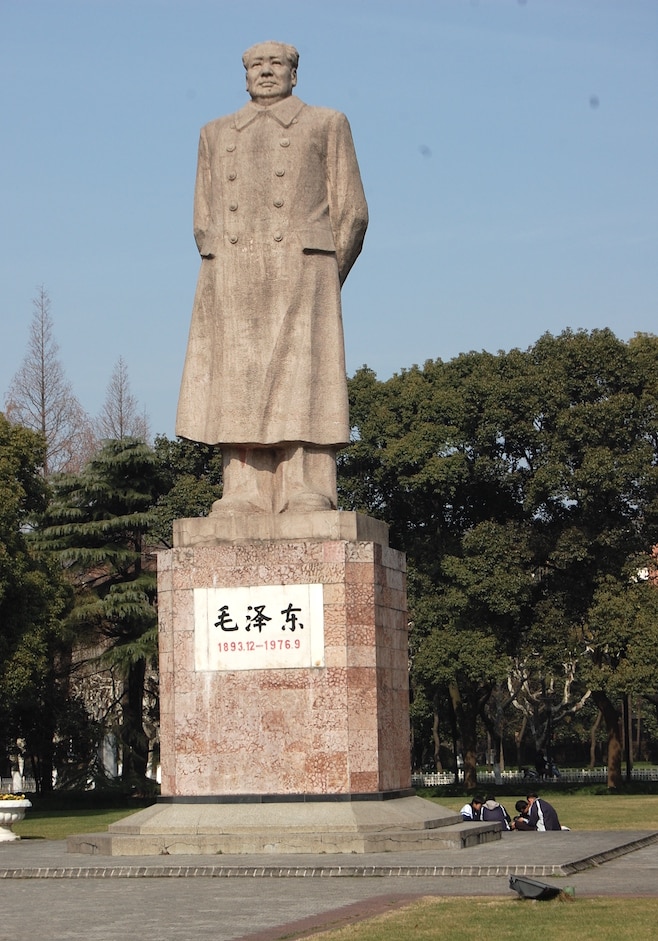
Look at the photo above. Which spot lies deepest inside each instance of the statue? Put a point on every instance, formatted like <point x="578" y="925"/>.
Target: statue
<point x="279" y="220"/>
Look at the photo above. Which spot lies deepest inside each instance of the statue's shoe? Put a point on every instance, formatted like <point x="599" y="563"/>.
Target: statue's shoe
<point x="235" y="505"/>
<point x="307" y="502"/>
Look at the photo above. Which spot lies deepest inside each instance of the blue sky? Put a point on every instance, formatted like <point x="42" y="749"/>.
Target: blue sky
<point x="508" y="150"/>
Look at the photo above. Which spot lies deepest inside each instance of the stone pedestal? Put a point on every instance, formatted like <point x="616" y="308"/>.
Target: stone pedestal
<point x="337" y="726"/>
<point x="284" y="700"/>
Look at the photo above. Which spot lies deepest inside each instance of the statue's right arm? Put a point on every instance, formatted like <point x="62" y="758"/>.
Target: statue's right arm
<point x="202" y="198"/>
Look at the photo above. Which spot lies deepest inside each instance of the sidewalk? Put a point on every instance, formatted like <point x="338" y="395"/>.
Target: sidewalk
<point x="45" y="892"/>
<point x="532" y="854"/>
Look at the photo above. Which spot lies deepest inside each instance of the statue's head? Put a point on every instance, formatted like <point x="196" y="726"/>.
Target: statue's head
<point x="271" y="69"/>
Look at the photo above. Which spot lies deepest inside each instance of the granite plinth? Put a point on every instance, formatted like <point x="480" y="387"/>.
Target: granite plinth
<point x="338" y="728"/>
<point x="400" y="824"/>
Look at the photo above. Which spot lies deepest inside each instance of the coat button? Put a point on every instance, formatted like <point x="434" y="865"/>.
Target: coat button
<point x="232" y="239"/>
<point x="278" y="203"/>
<point x="232" y="175"/>
<point x="230" y="148"/>
<point x="280" y="172"/>
<point x="232" y="206"/>
<point x="285" y="142"/>
<point x="278" y="237"/>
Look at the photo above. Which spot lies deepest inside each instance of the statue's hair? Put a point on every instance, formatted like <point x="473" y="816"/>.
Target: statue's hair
<point x="291" y="53"/>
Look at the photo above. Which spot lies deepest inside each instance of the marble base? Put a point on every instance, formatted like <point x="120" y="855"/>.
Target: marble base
<point x="406" y="824"/>
<point x="340" y="727"/>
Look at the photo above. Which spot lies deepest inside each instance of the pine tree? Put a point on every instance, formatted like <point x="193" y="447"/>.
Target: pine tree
<point x="97" y="526"/>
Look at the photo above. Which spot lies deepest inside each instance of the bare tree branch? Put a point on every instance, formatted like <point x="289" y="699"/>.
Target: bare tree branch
<point x="41" y="398"/>
<point x="119" y="417"/>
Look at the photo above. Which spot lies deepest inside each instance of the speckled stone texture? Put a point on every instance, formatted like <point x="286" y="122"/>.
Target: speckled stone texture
<point x="341" y="729"/>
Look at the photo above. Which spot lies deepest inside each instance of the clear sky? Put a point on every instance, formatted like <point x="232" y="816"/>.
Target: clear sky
<point x="508" y="148"/>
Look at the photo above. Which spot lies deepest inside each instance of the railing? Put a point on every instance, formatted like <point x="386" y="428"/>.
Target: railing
<point x="27" y="784"/>
<point x="568" y="776"/>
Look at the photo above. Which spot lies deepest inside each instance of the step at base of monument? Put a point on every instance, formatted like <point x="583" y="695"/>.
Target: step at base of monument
<point x="403" y="825"/>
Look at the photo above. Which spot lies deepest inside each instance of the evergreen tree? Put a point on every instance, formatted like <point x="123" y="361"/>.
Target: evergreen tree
<point x="191" y="475"/>
<point x="34" y="601"/>
<point x="97" y="525"/>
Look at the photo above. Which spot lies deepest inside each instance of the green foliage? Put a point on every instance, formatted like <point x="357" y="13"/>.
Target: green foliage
<point x="34" y="600"/>
<point x="190" y="475"/>
<point x="524" y="488"/>
<point x="97" y="527"/>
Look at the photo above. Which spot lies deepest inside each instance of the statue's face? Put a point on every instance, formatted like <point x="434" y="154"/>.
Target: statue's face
<point x="270" y="77"/>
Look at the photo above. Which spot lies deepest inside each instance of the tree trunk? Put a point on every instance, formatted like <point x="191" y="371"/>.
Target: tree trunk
<point x="436" y="738"/>
<point x="612" y="719"/>
<point x="592" y="738"/>
<point x="467" y="721"/>
<point x="518" y="741"/>
<point x="495" y="747"/>
<point x="135" y="742"/>
<point x="453" y="731"/>
<point x="628" y="736"/>
<point x="638" y="730"/>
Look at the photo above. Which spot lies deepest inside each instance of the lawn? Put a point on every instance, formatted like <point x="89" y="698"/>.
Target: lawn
<point x="59" y="824"/>
<point x="508" y="919"/>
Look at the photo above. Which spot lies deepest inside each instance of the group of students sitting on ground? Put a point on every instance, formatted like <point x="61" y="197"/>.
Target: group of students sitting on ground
<point x="532" y="813"/>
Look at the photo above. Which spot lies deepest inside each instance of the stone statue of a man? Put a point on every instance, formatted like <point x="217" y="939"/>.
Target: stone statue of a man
<point x="279" y="220"/>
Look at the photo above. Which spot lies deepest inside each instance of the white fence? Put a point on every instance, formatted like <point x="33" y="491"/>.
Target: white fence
<point x="569" y="776"/>
<point x="27" y="784"/>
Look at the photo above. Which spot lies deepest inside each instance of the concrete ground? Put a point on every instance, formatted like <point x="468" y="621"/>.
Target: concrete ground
<point x="48" y="894"/>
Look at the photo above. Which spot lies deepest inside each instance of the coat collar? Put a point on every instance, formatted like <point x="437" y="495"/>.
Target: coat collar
<point x="284" y="112"/>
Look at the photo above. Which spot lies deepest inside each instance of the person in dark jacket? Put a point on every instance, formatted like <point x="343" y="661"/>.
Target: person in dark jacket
<point x="522" y="820"/>
<point x="492" y="810"/>
<point x="542" y="815"/>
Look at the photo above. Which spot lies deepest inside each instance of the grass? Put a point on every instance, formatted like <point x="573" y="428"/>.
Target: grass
<point x="60" y="824"/>
<point x="585" y="811"/>
<point x="508" y="919"/>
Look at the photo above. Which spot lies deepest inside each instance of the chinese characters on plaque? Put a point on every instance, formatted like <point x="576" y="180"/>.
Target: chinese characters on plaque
<point x="258" y="628"/>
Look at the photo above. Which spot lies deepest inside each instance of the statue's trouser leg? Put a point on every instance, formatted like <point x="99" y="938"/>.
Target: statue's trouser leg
<point x="305" y="479"/>
<point x="248" y="476"/>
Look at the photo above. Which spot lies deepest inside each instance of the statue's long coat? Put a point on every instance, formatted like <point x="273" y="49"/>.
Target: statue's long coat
<point x="279" y="219"/>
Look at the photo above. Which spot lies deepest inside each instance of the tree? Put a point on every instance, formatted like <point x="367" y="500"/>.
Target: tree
<point x="119" y="417"/>
<point x="429" y="458"/>
<point x="523" y="487"/>
<point x="42" y="399"/>
<point x="594" y="491"/>
<point x="190" y="475"/>
<point x="97" y="526"/>
<point x="34" y="601"/>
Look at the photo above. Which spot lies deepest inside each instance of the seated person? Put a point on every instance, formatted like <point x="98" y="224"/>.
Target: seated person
<point x="542" y="815"/>
<point x="473" y="810"/>
<point x="522" y="820"/>
<point x="492" y="810"/>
